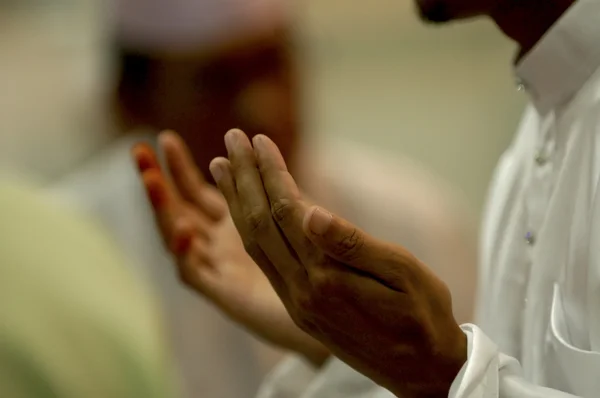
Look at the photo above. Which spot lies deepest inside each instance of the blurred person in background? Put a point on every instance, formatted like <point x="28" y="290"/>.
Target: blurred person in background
<point x="202" y="66"/>
<point x="198" y="66"/>
<point x="74" y="320"/>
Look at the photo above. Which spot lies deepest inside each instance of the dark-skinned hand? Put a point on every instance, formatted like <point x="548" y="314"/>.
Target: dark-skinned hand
<point x="372" y="304"/>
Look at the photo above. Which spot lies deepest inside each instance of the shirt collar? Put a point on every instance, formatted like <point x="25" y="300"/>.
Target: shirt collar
<point x="564" y="59"/>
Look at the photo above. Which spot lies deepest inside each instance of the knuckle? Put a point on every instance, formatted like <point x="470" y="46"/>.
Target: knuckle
<point x="257" y="220"/>
<point x="350" y="245"/>
<point x="305" y="303"/>
<point x="324" y="284"/>
<point x="282" y="210"/>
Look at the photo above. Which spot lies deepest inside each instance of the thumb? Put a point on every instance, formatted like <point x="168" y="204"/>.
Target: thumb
<point x="346" y="243"/>
<point x="340" y="239"/>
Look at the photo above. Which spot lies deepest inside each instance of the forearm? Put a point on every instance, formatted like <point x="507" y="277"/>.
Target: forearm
<point x="286" y="335"/>
<point x="312" y="350"/>
<point x="267" y="319"/>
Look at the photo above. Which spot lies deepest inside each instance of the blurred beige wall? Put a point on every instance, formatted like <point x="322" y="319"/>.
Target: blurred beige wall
<point x="444" y="95"/>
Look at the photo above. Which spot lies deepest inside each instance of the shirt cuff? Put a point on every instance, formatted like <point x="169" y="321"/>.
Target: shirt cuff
<point x="289" y="379"/>
<point x="479" y="375"/>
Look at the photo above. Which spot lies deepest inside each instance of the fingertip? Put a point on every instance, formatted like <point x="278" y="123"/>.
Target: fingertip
<point x="235" y="131"/>
<point x="144" y="156"/>
<point x="259" y="143"/>
<point x="262" y="137"/>
<point x="169" y="140"/>
<point x="223" y="161"/>
<point x="236" y="137"/>
<point x="268" y="153"/>
<point x="219" y="167"/>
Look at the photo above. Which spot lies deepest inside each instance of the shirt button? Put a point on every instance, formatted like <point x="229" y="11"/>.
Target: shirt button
<point x="530" y="238"/>
<point x="520" y="85"/>
<point x="541" y="158"/>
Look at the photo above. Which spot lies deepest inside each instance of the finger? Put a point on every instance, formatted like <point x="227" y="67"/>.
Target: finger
<point x="195" y="265"/>
<point x="145" y="157"/>
<point x="284" y="196"/>
<point x="146" y="160"/>
<point x="220" y="169"/>
<point x="188" y="179"/>
<point x="162" y="200"/>
<point x="352" y="247"/>
<point x="256" y="217"/>
<point x="247" y="180"/>
<point x="183" y="238"/>
<point x="195" y="262"/>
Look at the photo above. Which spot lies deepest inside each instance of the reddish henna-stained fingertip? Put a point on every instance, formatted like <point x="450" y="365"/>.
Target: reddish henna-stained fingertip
<point x="155" y="186"/>
<point x="145" y="157"/>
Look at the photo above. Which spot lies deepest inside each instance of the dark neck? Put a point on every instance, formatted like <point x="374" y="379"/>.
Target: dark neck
<point x="526" y="21"/>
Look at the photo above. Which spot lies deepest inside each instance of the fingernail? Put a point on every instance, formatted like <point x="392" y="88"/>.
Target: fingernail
<point x="320" y="221"/>
<point x="259" y="143"/>
<point x="230" y="139"/>
<point x="216" y="171"/>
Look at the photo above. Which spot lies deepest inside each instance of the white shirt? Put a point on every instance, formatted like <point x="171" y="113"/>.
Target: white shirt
<point x="539" y="307"/>
<point x="216" y="358"/>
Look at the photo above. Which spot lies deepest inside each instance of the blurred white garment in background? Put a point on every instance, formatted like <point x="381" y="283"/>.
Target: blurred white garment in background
<point x="214" y="357"/>
<point x="55" y="73"/>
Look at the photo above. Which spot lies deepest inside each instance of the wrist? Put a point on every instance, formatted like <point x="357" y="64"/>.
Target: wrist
<point x="450" y="365"/>
<point x="442" y="367"/>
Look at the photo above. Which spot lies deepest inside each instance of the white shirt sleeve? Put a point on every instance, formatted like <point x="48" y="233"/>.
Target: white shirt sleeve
<point x="490" y="374"/>
<point x="487" y="374"/>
